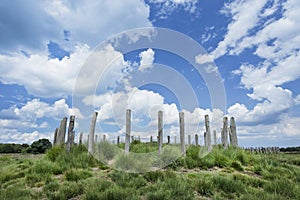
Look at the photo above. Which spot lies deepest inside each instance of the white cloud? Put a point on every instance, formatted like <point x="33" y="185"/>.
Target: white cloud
<point x="168" y="6"/>
<point x="112" y="17"/>
<point x="203" y="58"/>
<point x="41" y="76"/>
<point x="245" y="16"/>
<point x="147" y="58"/>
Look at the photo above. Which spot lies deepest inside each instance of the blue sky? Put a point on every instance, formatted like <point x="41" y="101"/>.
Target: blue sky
<point x="252" y="47"/>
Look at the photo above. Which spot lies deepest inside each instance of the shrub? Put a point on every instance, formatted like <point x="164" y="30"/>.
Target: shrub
<point x="77" y="174"/>
<point x="204" y="186"/>
<point x="237" y="165"/>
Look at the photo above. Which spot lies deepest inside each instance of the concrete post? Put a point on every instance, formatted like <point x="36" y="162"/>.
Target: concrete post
<point x="189" y="139"/>
<point x="175" y="141"/>
<point x="55" y="136"/>
<point x="80" y="138"/>
<point x="62" y="131"/>
<point x="224" y="134"/>
<point x="182" y="134"/>
<point x="104" y="138"/>
<point x="233" y="132"/>
<point x="70" y="132"/>
<point x="205" y="139"/>
<point x="151" y="139"/>
<point x="160" y="131"/>
<point x="208" y="135"/>
<point x="215" y="137"/>
<point x="168" y="137"/>
<point x="96" y="138"/>
<point x="196" y="140"/>
<point x="128" y="129"/>
<point x="118" y="140"/>
<point x="92" y="133"/>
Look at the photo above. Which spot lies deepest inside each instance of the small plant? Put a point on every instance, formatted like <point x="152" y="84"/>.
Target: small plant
<point x="77" y="174"/>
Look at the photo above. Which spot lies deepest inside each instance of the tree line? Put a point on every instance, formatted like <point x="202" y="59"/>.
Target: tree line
<point x="37" y="147"/>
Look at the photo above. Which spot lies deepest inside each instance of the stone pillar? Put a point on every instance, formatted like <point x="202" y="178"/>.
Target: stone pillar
<point x="205" y="139"/>
<point x="224" y="134"/>
<point x="62" y="131"/>
<point x="128" y="129"/>
<point x="118" y="140"/>
<point x="168" y="138"/>
<point x="189" y="139"/>
<point x="208" y="135"/>
<point x="70" y="132"/>
<point x="215" y="137"/>
<point x="233" y="132"/>
<point x="80" y="138"/>
<point x="196" y="140"/>
<point x="96" y="138"/>
<point x="175" y="141"/>
<point x="151" y="139"/>
<point x="132" y="138"/>
<point x="182" y="134"/>
<point x="92" y="133"/>
<point x="160" y="131"/>
<point x="55" y="136"/>
<point x="104" y="138"/>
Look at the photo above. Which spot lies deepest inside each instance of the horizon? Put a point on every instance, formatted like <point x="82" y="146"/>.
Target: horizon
<point x="244" y="63"/>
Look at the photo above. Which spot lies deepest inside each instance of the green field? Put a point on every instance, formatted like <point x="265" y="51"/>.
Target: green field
<point x="222" y="174"/>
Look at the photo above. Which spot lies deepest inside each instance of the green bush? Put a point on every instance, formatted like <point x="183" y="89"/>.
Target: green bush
<point x="237" y="165"/>
<point x="77" y="174"/>
<point x="204" y="186"/>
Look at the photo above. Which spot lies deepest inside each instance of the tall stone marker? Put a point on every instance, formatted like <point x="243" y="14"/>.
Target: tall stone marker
<point x="224" y="133"/>
<point x="160" y="131"/>
<point x="62" y="131"/>
<point x="233" y="135"/>
<point x="91" y="136"/>
<point x="70" y="132"/>
<point x="215" y="137"/>
<point x="128" y="129"/>
<point x="182" y="134"/>
<point x="208" y="135"/>
<point x="55" y="136"/>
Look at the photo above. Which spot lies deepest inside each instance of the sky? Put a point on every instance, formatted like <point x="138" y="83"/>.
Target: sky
<point x="234" y="58"/>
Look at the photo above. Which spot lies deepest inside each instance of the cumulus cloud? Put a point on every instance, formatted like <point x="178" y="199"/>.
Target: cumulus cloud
<point x="37" y="72"/>
<point x="147" y="58"/>
<point x="29" y="26"/>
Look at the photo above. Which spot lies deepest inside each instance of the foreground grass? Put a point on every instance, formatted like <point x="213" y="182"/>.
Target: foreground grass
<point x="222" y="174"/>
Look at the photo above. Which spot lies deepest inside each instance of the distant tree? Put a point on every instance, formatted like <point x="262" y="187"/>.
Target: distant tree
<point x="40" y="146"/>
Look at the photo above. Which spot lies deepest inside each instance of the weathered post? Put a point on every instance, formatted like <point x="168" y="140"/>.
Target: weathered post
<point x="182" y="139"/>
<point x="104" y="138"/>
<point x="151" y="139"/>
<point x="132" y="138"/>
<point x="205" y="139"/>
<point x="175" y="141"/>
<point x="196" y="140"/>
<point x="96" y="138"/>
<point x="189" y="139"/>
<point x="55" y="136"/>
<point x="215" y="137"/>
<point x="80" y="138"/>
<point x="224" y="134"/>
<point x="62" y="131"/>
<point x="168" y="137"/>
<point x="233" y="132"/>
<point x="160" y="131"/>
<point x="92" y="133"/>
<point x="118" y="140"/>
<point x="128" y="129"/>
<point x="208" y="135"/>
<point x="70" y="132"/>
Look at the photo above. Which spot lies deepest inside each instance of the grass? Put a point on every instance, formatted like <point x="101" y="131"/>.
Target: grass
<point x="222" y="174"/>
